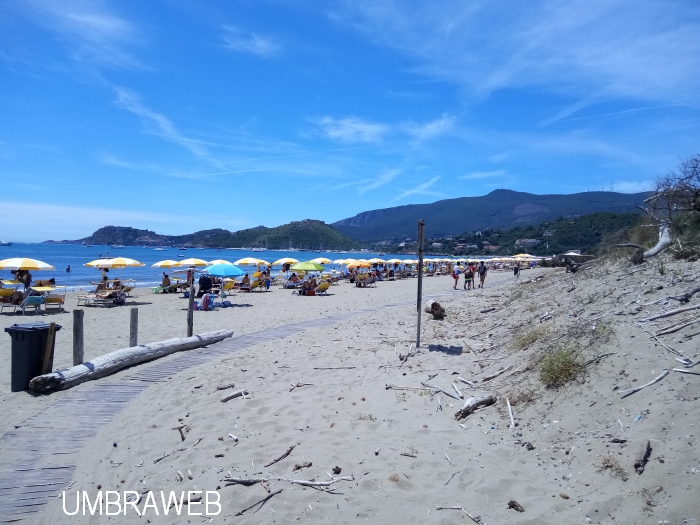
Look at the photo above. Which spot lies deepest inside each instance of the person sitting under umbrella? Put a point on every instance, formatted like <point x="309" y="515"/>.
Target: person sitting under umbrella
<point x="205" y="285"/>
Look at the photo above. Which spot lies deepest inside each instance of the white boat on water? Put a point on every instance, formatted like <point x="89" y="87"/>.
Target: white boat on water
<point x="159" y="249"/>
<point x="118" y="246"/>
<point x="3" y="243"/>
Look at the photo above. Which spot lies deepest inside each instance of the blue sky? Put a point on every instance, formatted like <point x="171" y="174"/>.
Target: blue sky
<point x="180" y="115"/>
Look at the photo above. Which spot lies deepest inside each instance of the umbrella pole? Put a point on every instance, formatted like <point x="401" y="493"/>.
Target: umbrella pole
<point x="421" y="235"/>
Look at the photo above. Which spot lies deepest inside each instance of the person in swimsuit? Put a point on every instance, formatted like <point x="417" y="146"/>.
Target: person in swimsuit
<point x="468" y="278"/>
<point x="455" y="276"/>
<point x="482" y="270"/>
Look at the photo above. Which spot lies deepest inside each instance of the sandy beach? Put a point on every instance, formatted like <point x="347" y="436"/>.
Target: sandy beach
<point x="323" y="391"/>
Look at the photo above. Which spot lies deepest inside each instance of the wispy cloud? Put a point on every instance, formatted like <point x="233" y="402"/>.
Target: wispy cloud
<point x="632" y="186"/>
<point x="157" y="122"/>
<point x="477" y="175"/>
<point x="421" y="189"/>
<point x="352" y="129"/>
<point x="382" y="180"/>
<point x="92" y="33"/>
<point x="572" y="47"/>
<point x="432" y="129"/>
<point x="241" y="42"/>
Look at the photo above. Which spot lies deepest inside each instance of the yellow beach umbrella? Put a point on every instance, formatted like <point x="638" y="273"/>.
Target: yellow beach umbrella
<point x="409" y="261"/>
<point x="346" y="261"/>
<point x="394" y="261"/>
<point x="376" y="260"/>
<point x="192" y="262"/>
<point x="321" y="260"/>
<point x="219" y="261"/>
<point x="167" y="263"/>
<point x="359" y="264"/>
<point x="117" y="262"/>
<point x="263" y="262"/>
<point x="339" y="261"/>
<point x="249" y="261"/>
<point x="23" y="263"/>
<point x="284" y="260"/>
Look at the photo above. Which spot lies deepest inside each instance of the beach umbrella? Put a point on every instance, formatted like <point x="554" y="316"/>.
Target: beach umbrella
<point x="117" y="262"/>
<point x="219" y="261"/>
<point x="284" y="260"/>
<point x="348" y="261"/>
<point x="263" y="262"/>
<point x="339" y="261"/>
<point x="321" y="260"/>
<point x="23" y="263"/>
<point x="248" y="261"/>
<point x="376" y="260"/>
<point x="395" y="261"/>
<point x="167" y="263"/>
<point x="408" y="261"/>
<point x="307" y="266"/>
<point x="192" y="262"/>
<point x="360" y="264"/>
<point x="224" y="270"/>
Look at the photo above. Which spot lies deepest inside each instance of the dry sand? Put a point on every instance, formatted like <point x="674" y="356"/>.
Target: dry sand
<point x="559" y="464"/>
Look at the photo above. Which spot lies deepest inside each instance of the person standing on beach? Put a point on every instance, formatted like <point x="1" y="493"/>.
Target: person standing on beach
<point x="516" y="269"/>
<point x="482" y="270"/>
<point x="468" y="277"/>
<point x="455" y="276"/>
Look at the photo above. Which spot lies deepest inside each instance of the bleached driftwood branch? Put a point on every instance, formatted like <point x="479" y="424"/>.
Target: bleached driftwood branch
<point x="237" y="393"/>
<point x="448" y="394"/>
<point x="637" y="389"/>
<point x="672" y="312"/>
<point x="112" y="362"/>
<point x="473" y="403"/>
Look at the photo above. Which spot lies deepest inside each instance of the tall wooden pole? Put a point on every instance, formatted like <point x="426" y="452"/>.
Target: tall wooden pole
<point x="190" y="313"/>
<point x="78" y="348"/>
<point x="134" y="327"/>
<point x="421" y="249"/>
<point x="49" y="346"/>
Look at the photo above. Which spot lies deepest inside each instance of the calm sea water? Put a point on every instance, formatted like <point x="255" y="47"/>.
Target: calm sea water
<point x="62" y="255"/>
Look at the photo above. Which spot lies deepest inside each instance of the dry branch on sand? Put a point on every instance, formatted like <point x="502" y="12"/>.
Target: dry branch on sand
<point x="473" y="403"/>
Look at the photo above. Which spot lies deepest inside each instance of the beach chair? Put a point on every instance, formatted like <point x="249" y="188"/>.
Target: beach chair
<point x="55" y="299"/>
<point x="32" y="301"/>
<point x="6" y="293"/>
<point x="257" y="284"/>
<point x="128" y="285"/>
<point x="322" y="289"/>
<point x="371" y="282"/>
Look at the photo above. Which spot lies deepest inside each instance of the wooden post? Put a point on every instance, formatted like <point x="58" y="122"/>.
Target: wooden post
<point x="49" y="346"/>
<point x="134" y="327"/>
<point x="421" y="249"/>
<point x="190" y="313"/>
<point x="78" y="349"/>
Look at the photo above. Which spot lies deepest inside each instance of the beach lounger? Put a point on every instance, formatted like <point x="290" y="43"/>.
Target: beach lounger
<point x="31" y="301"/>
<point x="55" y="299"/>
<point x="322" y="289"/>
<point x="257" y="284"/>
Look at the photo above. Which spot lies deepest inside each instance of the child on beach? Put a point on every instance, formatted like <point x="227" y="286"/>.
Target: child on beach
<point x="455" y="276"/>
<point x="468" y="278"/>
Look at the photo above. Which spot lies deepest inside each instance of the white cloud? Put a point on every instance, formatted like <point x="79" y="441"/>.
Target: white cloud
<point x="352" y="129"/>
<point x="632" y="186"/>
<point x="476" y="175"/>
<point x="382" y="180"/>
<point x="421" y="189"/>
<point x="92" y="33"/>
<point x="570" y="47"/>
<point x="431" y="129"/>
<point x="158" y="122"/>
<point x="252" y="43"/>
<point x="75" y="222"/>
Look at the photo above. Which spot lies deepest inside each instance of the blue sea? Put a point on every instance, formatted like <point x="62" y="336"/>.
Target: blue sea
<point x="62" y="255"/>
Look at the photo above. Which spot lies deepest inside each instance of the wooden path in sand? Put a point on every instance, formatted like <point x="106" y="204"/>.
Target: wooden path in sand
<point x="47" y="445"/>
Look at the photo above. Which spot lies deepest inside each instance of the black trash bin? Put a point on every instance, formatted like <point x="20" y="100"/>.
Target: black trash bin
<point x="28" y="348"/>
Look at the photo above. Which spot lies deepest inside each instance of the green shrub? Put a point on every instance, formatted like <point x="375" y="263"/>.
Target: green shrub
<point x="529" y="338"/>
<point x="561" y="366"/>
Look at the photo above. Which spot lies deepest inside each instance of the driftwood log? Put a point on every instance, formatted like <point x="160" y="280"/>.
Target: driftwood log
<point x="642" y="456"/>
<point x="471" y="404"/>
<point x="112" y="362"/>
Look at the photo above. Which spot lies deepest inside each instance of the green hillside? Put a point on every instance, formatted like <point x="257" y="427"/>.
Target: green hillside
<point x="307" y="234"/>
<point x="499" y="209"/>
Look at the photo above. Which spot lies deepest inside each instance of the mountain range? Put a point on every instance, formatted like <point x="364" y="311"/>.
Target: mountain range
<point x="500" y="209"/>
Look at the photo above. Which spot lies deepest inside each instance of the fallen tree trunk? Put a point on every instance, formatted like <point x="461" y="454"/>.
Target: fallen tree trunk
<point x="641" y="254"/>
<point x="112" y="362"/>
<point x="473" y="403"/>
